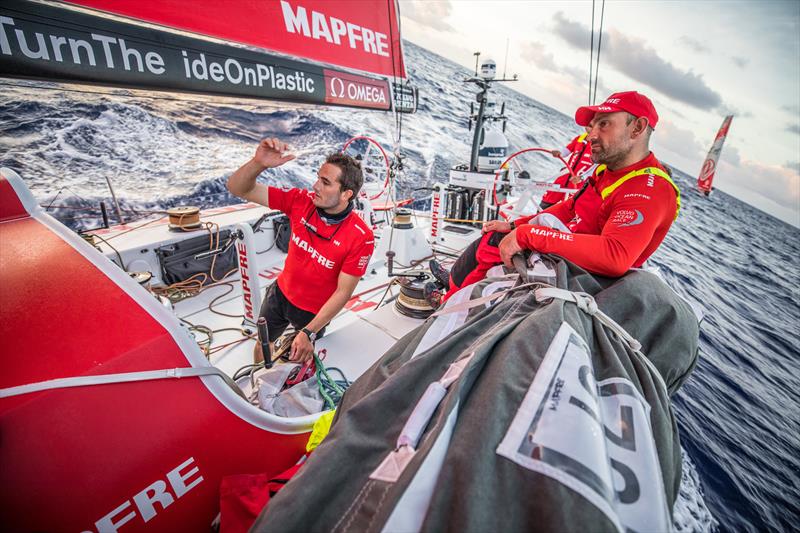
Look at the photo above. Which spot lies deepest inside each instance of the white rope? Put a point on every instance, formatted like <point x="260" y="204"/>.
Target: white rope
<point x="481" y="300"/>
<point x="103" y="379"/>
<point x="588" y="305"/>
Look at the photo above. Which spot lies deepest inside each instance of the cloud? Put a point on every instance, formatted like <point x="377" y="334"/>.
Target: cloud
<point x="794" y="109"/>
<point x="430" y="14"/>
<point x="693" y="44"/>
<point x="536" y="53"/>
<point x="793" y="128"/>
<point x="779" y="184"/>
<point x="639" y="61"/>
<point x="730" y="154"/>
<point x="670" y="137"/>
<point x="740" y="62"/>
<point x="727" y="109"/>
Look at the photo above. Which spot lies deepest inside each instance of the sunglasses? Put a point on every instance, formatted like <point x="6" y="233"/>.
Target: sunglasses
<point x="313" y="229"/>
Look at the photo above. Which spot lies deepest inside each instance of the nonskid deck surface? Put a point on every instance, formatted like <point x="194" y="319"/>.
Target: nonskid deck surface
<point x="355" y="338"/>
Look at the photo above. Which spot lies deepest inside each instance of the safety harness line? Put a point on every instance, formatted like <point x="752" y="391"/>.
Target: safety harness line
<point x="104" y="379"/>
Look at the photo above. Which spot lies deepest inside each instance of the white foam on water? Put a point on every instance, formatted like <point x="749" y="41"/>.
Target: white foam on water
<point x="690" y="513"/>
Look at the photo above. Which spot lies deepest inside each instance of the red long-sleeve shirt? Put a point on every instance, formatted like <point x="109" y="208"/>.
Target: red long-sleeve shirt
<point x="611" y="235"/>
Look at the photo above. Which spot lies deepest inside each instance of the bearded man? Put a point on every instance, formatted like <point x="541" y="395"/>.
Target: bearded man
<point x="614" y="223"/>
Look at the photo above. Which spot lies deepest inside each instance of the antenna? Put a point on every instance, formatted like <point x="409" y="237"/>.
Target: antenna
<point x="505" y="62"/>
<point x="477" y="56"/>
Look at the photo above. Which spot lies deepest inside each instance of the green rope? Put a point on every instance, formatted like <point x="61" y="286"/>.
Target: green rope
<point x="326" y="383"/>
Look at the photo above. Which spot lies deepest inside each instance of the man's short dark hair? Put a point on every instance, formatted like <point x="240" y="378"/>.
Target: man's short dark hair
<point x="352" y="178"/>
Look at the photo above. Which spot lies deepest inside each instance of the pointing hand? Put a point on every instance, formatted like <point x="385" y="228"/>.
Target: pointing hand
<point x="272" y="152"/>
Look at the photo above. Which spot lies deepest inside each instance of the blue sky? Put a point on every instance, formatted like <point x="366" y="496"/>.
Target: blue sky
<point x="697" y="61"/>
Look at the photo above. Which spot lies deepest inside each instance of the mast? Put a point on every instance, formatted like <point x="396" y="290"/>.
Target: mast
<point x="707" y="172"/>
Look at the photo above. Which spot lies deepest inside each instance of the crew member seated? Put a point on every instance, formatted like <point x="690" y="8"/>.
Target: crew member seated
<point x="613" y="223"/>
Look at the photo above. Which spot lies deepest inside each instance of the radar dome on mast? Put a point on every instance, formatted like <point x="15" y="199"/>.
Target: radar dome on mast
<point x="493" y="149"/>
<point x="488" y="69"/>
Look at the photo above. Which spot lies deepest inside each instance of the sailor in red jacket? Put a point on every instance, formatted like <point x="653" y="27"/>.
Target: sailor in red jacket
<point x="625" y="209"/>
<point x="580" y="161"/>
<point x="329" y="250"/>
<point x="615" y="222"/>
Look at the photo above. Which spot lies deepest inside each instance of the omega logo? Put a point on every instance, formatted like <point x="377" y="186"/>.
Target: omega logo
<point x="334" y="93"/>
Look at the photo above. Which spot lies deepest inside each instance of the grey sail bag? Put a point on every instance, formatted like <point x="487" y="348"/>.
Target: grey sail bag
<point x="519" y="414"/>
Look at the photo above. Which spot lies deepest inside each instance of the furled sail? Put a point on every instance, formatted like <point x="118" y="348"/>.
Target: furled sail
<point x="251" y="52"/>
<point x="706" y="178"/>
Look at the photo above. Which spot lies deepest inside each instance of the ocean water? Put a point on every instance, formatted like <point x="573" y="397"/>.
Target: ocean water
<point x="739" y="413"/>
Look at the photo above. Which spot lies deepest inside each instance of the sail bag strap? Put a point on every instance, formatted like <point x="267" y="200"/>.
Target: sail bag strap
<point x="482" y="300"/>
<point x="396" y="461"/>
<point x="586" y="303"/>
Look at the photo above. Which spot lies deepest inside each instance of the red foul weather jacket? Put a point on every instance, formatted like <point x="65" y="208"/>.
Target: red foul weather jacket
<point x="618" y="220"/>
<point x="580" y="161"/>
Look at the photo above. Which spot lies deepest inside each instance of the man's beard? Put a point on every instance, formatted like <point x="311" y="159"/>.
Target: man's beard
<point x="610" y="157"/>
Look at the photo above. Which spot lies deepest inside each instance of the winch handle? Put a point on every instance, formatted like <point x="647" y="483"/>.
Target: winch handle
<point x="390" y="266"/>
<point x="389" y="262"/>
<point x="263" y="338"/>
<point x="260" y="221"/>
<point x="216" y="251"/>
<point x="521" y="266"/>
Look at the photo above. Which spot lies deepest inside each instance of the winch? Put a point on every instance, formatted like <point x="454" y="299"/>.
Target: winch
<point x="184" y="217"/>
<point x="411" y="300"/>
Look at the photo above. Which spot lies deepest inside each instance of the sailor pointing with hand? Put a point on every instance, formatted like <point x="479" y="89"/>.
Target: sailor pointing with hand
<point x="321" y="272"/>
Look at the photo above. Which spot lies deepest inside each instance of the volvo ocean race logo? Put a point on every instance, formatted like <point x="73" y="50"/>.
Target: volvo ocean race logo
<point x="638" y="219"/>
<point x="708" y="170"/>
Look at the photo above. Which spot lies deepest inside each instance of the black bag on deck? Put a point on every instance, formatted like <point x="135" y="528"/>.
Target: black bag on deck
<point x="178" y="262"/>
<point x="283" y="232"/>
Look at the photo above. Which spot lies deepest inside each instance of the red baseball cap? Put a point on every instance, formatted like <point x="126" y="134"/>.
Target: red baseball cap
<point x="634" y="103"/>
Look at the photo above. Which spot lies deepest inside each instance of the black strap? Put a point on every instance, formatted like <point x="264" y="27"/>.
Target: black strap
<point x="580" y="156"/>
<point x="578" y="194"/>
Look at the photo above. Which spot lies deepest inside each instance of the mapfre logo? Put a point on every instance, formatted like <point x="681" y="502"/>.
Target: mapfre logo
<point x="552" y="233"/>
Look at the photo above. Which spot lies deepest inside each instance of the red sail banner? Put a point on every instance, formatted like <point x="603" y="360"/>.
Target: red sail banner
<point x="706" y="177"/>
<point x="107" y="51"/>
<point x="356" y="34"/>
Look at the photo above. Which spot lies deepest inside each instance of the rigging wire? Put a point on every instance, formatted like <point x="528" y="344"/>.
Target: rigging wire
<point x="591" y="56"/>
<point x="599" y="45"/>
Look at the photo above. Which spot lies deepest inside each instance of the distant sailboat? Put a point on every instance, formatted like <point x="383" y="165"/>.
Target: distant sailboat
<point x="704" y="181"/>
